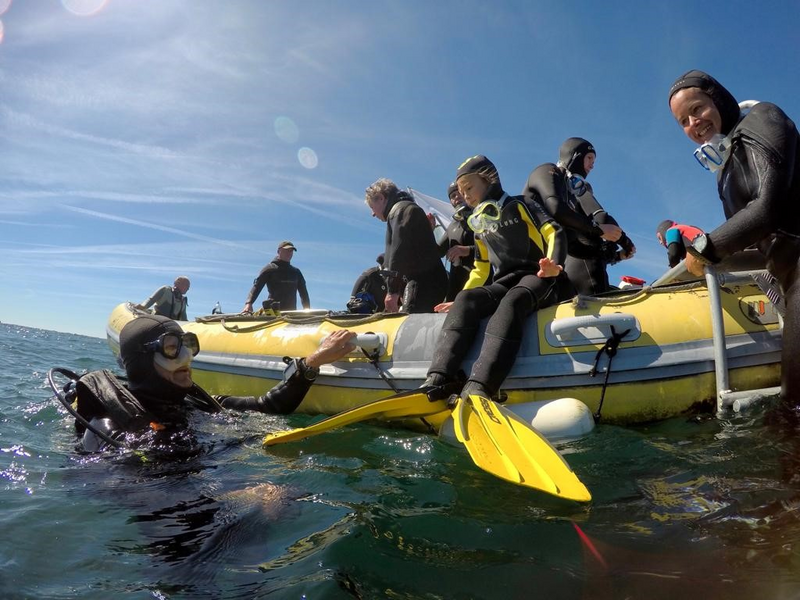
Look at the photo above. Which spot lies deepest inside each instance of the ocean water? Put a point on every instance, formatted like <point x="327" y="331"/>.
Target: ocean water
<point x="684" y="508"/>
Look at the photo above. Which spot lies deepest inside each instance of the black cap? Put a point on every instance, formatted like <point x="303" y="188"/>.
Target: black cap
<point x="663" y="226"/>
<point x="724" y="101"/>
<point x="572" y="153"/>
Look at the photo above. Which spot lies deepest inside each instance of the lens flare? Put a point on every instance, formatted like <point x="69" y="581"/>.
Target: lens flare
<point x="308" y="158"/>
<point x="287" y="130"/>
<point x="2" y="32"/>
<point x="84" y="8"/>
<point x="4" y="4"/>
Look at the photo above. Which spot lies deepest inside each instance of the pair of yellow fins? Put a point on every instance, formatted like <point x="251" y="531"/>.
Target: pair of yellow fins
<point x="497" y="440"/>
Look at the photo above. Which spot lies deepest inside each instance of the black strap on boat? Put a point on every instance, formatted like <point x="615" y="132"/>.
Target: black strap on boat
<point x="610" y="348"/>
<point x="373" y="359"/>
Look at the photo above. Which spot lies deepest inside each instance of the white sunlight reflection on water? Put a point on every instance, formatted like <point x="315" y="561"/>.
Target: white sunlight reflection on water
<point x="84" y="8"/>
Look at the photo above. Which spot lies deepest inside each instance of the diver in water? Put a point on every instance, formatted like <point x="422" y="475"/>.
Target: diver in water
<point x="458" y="244"/>
<point x="525" y="248"/>
<point x="756" y="159"/>
<point x="595" y="239"/>
<point x="153" y="408"/>
<point x="675" y="237"/>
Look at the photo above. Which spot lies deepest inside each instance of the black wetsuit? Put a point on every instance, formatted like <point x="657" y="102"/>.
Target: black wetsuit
<point x="283" y="282"/>
<point x="412" y="253"/>
<point x="760" y="191"/>
<point x="371" y="282"/>
<point x="588" y="254"/>
<point x="458" y="234"/>
<point x="512" y="249"/>
<point x="677" y="238"/>
<point x="147" y="420"/>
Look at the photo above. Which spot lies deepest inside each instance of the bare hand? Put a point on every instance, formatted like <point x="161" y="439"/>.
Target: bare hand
<point x="548" y="268"/>
<point x="457" y="252"/>
<point x="694" y="266"/>
<point x="611" y="232"/>
<point x="248" y="307"/>
<point x="391" y="303"/>
<point x="332" y="348"/>
<point x="443" y="307"/>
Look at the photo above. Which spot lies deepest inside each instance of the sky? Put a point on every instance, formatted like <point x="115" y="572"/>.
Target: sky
<point x="145" y="139"/>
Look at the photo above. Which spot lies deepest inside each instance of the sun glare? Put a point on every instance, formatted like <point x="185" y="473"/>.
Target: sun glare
<point x="4" y="4"/>
<point x="308" y="158"/>
<point x="2" y="32"/>
<point x="287" y="130"/>
<point x="84" y="8"/>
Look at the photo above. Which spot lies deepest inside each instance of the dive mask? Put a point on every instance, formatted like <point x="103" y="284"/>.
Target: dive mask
<point x="577" y="184"/>
<point x="484" y="217"/>
<point x="713" y="154"/>
<point x="169" y="345"/>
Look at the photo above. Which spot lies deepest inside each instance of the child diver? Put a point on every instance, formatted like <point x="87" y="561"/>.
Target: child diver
<point x="525" y="249"/>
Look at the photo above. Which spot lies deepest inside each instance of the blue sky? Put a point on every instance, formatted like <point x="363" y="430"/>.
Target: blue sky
<point x="145" y="139"/>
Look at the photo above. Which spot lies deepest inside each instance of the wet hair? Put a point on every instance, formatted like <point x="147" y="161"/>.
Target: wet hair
<point x="723" y="100"/>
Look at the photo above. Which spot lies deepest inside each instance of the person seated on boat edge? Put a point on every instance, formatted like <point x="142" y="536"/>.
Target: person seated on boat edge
<point x="283" y="280"/>
<point x="169" y="301"/>
<point x="412" y="255"/>
<point x="526" y="249"/>
<point x="756" y="159"/>
<point x="675" y="237"/>
<point x="154" y="407"/>
<point x="595" y="239"/>
<point x="369" y="290"/>
<point x="458" y="244"/>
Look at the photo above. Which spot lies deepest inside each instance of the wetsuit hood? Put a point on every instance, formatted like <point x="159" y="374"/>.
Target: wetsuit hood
<point x="451" y="189"/>
<point x="723" y="100"/>
<point x="572" y="153"/>
<point x="401" y="196"/>
<point x="155" y="392"/>
<point x="663" y="226"/>
<point x="480" y="165"/>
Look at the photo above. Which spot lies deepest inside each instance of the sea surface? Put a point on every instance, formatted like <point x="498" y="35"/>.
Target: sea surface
<point x="684" y="508"/>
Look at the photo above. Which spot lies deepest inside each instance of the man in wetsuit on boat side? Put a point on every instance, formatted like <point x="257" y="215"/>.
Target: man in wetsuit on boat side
<point x="675" y="237"/>
<point x="458" y="244"/>
<point x="153" y="409"/>
<point x="369" y="290"/>
<point x="411" y="251"/>
<point x="593" y="235"/>
<point x="756" y="159"/>
<point x="283" y="282"/>
<point x="524" y="250"/>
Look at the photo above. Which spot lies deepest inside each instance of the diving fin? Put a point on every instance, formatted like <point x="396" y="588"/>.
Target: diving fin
<point x="484" y="453"/>
<point x="421" y="402"/>
<point x="539" y="464"/>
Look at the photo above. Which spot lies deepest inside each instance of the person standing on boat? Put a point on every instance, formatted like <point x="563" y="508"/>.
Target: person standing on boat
<point x="154" y="407"/>
<point x="756" y="159"/>
<point x="283" y="282"/>
<point x="458" y="244"/>
<point x="593" y="235"/>
<point x="369" y="290"/>
<point x="411" y="255"/>
<point x="525" y="248"/>
<point x="169" y="301"/>
<point x="675" y="237"/>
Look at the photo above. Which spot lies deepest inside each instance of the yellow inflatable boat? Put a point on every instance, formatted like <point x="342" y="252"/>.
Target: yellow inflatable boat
<point x="679" y="346"/>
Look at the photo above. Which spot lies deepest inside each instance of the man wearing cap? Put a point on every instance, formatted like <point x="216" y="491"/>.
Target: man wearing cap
<point x="283" y="282"/>
<point x="458" y="244"/>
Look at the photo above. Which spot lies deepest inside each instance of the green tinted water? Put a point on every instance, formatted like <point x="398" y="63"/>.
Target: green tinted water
<point x="682" y="509"/>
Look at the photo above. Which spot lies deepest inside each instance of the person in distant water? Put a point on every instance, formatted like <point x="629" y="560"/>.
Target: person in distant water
<point x="412" y="255"/>
<point x="169" y="301"/>
<point x="525" y="249"/>
<point x="675" y="237"/>
<point x="369" y="290"/>
<point x="153" y="409"/>
<point x="756" y="159"/>
<point x="283" y="282"/>
<point x="458" y="244"/>
<point x="593" y="235"/>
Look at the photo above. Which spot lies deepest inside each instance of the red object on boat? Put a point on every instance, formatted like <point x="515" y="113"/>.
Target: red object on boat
<point x="632" y="280"/>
